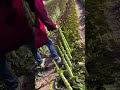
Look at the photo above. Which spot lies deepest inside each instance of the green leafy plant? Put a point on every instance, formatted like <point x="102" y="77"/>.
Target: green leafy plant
<point x="65" y="63"/>
<point x="60" y="72"/>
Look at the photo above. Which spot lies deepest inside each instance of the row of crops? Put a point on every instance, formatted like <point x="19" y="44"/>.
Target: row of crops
<point x="68" y="23"/>
<point x="99" y="48"/>
<point x="68" y="79"/>
<point x="70" y="47"/>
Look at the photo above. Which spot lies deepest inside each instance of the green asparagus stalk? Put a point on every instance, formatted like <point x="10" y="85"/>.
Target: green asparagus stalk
<point x="51" y="87"/>
<point x="66" y="56"/>
<point x="65" y="63"/>
<point x="60" y="72"/>
<point x="56" y="66"/>
<point x="65" y="80"/>
<point x="62" y="48"/>
<point x="81" y="64"/>
<point x="68" y="60"/>
<point x="64" y="39"/>
<point x="66" y="47"/>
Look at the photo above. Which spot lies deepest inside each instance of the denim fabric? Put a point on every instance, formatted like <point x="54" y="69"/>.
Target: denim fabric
<point x="52" y="50"/>
<point x="37" y="55"/>
<point x="6" y="74"/>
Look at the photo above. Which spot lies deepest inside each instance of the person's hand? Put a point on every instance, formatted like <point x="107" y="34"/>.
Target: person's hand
<point x="56" y="28"/>
<point x="44" y="2"/>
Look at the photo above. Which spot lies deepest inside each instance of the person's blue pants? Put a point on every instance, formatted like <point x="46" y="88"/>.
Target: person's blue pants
<point x="51" y="48"/>
<point x="6" y="74"/>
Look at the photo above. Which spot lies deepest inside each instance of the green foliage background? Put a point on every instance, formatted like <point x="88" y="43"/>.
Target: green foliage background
<point x="100" y="46"/>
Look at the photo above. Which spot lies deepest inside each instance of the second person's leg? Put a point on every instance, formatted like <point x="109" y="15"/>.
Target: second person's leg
<point x="36" y="54"/>
<point x="52" y="50"/>
<point x="31" y="46"/>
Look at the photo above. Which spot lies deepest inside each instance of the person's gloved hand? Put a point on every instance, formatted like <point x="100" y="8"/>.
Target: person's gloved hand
<point x="52" y="28"/>
<point x="56" y="28"/>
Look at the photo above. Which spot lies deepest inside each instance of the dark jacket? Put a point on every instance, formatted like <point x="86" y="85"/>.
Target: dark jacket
<point x="41" y="19"/>
<point x="14" y="28"/>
